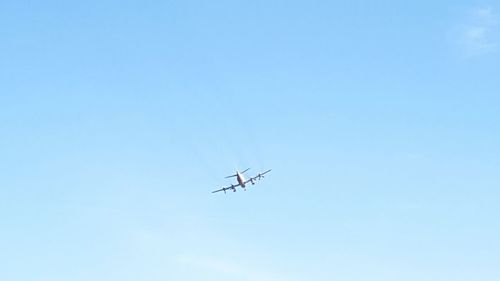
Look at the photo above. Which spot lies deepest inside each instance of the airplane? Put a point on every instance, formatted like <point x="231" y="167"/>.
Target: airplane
<point x="242" y="181"/>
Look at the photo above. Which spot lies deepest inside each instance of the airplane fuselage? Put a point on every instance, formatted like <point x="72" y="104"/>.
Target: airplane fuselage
<point x="241" y="179"/>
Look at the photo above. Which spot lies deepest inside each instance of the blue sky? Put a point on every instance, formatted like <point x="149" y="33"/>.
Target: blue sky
<point x="380" y="122"/>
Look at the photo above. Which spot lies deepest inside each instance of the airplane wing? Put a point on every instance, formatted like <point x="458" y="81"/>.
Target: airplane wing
<point x="232" y="187"/>
<point x="257" y="177"/>
<point x="261" y="174"/>
<point x="252" y="180"/>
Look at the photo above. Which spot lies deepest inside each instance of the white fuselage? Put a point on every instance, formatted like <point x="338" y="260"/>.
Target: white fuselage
<point x="241" y="179"/>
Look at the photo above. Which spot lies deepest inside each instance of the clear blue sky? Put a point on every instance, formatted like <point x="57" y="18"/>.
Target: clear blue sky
<point x="380" y="120"/>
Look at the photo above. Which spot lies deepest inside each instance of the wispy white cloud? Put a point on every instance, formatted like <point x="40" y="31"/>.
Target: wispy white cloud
<point x="479" y="32"/>
<point x="229" y="269"/>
